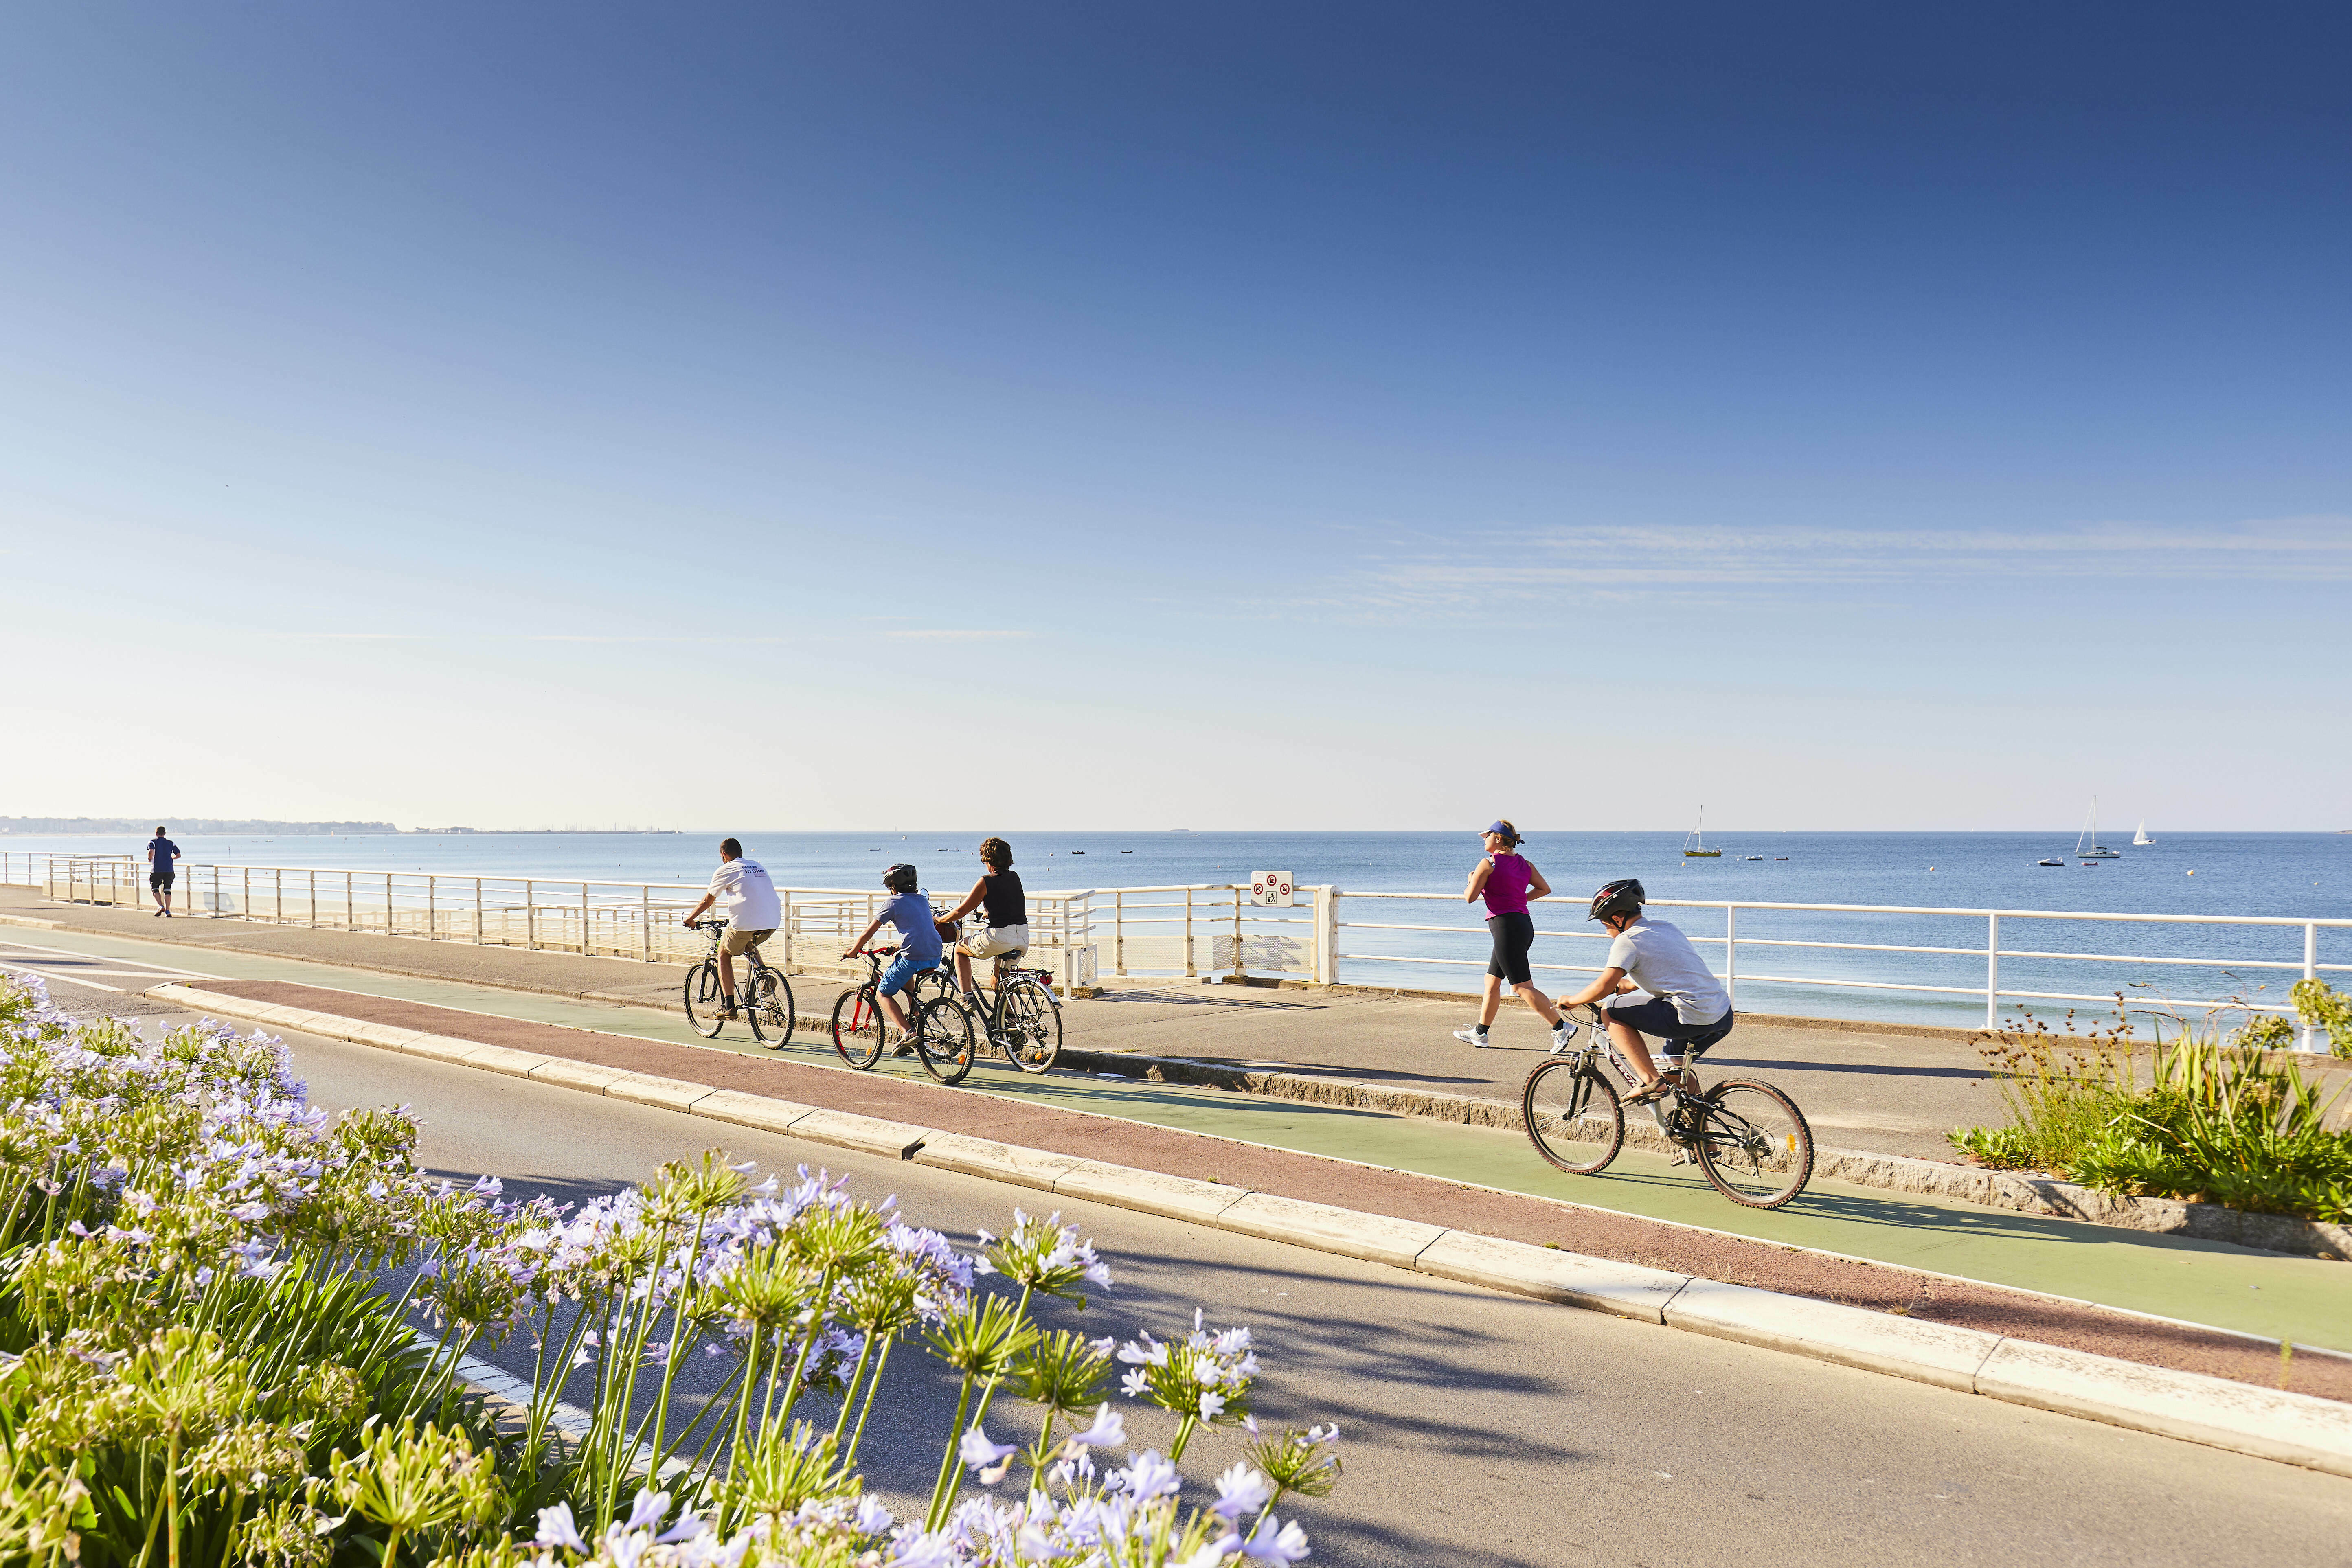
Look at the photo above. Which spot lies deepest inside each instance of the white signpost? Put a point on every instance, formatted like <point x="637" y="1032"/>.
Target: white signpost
<point x="1270" y="889"/>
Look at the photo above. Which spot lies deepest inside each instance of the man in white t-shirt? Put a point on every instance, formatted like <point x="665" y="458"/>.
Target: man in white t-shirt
<point x="753" y="912"/>
<point x="1688" y="1009"/>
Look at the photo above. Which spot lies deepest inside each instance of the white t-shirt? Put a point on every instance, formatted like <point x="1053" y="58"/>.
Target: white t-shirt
<point x="745" y="897"/>
<point x="1659" y="959"/>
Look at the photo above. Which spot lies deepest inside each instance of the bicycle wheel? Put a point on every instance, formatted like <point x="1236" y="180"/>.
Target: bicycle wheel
<point x="704" y="997"/>
<point x="770" y="1011"/>
<point x="1754" y="1144"/>
<point x="931" y="986"/>
<point x="944" y="1039"/>
<point x="857" y="1028"/>
<point x="1032" y="1026"/>
<point x="1573" y="1116"/>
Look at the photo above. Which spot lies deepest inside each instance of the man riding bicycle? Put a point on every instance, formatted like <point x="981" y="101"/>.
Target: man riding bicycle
<point x="752" y="910"/>
<point x="918" y="942"/>
<point x="1687" y="1011"/>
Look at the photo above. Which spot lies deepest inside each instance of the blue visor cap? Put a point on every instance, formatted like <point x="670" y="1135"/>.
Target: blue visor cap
<point x="1502" y="827"/>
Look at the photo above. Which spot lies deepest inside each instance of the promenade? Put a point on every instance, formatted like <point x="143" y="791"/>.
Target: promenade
<point x="1668" y="1211"/>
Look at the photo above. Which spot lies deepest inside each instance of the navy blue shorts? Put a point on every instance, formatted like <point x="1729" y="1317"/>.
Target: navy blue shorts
<point x="1657" y="1018"/>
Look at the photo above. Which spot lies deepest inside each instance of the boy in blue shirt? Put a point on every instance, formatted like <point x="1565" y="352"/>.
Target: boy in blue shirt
<point x="918" y="942"/>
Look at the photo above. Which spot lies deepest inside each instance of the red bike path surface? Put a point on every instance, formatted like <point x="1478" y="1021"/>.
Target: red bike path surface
<point x="1372" y="1189"/>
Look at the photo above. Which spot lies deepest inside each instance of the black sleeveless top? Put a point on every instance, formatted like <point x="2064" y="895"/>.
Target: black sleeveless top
<point x="1006" y="904"/>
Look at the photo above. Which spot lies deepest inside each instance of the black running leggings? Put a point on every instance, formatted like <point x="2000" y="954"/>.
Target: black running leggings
<point x="1513" y="934"/>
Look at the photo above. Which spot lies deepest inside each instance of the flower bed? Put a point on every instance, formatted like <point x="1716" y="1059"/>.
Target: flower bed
<point x="204" y="1363"/>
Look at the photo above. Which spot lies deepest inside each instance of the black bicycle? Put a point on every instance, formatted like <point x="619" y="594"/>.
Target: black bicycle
<point x="764" y="998"/>
<point x="943" y="1036"/>
<point x="1750" y="1139"/>
<point x="1020" y="1018"/>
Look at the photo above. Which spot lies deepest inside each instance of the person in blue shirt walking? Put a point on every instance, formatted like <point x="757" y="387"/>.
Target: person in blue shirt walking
<point x="162" y="859"/>
<point x="918" y="942"/>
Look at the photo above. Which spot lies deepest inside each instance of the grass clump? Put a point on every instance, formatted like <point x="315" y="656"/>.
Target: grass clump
<point x="2220" y="1122"/>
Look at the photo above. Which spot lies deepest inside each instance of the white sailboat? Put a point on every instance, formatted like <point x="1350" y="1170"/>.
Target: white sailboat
<point x="2090" y="835"/>
<point x="2140" y="838"/>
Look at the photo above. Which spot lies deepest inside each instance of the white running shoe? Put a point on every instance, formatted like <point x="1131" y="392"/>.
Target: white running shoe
<point x="1470" y="1036"/>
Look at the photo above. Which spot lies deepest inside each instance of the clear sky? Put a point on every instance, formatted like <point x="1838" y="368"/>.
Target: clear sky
<point x="1311" y="415"/>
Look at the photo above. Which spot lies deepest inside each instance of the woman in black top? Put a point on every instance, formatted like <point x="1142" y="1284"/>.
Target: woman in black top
<point x="1006" y="917"/>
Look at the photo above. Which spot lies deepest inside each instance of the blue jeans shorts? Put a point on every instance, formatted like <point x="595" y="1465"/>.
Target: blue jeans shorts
<point x="900" y="970"/>
<point x="1657" y="1018"/>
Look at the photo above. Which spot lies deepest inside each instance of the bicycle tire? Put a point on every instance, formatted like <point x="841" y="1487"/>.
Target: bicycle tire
<point x="944" y="1040"/>
<point x="1573" y="1116"/>
<point x="703" y="999"/>
<point x="1754" y="1145"/>
<point x="1031" y="1033"/>
<point x="857" y="1025"/>
<point x="771" y="1012"/>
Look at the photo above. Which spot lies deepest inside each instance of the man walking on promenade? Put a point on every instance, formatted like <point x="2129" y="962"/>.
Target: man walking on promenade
<point x="753" y="912"/>
<point x="163" y="855"/>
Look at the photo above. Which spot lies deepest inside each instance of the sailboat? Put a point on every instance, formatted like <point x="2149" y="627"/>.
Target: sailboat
<point x="1696" y="846"/>
<point x="2090" y="834"/>
<point x="2141" y="837"/>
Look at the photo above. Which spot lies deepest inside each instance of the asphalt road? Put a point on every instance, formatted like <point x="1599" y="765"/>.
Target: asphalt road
<point x="1483" y="1429"/>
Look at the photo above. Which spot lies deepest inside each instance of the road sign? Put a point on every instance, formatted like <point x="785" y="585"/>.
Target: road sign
<point x="1270" y="889"/>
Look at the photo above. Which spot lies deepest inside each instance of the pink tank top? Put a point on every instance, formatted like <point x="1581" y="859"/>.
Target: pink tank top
<point x="1507" y="886"/>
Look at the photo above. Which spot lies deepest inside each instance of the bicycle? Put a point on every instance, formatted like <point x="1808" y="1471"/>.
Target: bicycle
<point x="1019" y="1016"/>
<point x="1750" y="1139"/>
<point x="941" y="1035"/>
<point x="764" y="998"/>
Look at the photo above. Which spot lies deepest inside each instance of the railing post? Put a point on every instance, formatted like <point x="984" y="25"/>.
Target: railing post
<point x="1993" y="972"/>
<point x="645" y="924"/>
<point x="432" y="907"/>
<point x="1118" y="932"/>
<point x="350" y="907"/>
<point x="1238" y="968"/>
<point x="1326" y="936"/>
<point x="1191" y="971"/>
<point x="1732" y="953"/>
<point x="2310" y="971"/>
<point x="530" y="916"/>
<point x="585" y="943"/>
<point x="478" y="911"/>
<point x="314" y="900"/>
<point x="245" y="910"/>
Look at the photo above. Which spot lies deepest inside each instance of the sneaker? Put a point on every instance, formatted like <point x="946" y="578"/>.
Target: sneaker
<point x="728" y="1014"/>
<point x="1470" y="1036"/>
<point x="1563" y="1044"/>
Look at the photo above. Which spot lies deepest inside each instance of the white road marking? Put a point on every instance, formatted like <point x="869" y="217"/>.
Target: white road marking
<point x="70" y="980"/>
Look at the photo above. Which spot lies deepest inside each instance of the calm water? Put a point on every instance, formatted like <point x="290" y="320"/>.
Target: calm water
<point x="2301" y="876"/>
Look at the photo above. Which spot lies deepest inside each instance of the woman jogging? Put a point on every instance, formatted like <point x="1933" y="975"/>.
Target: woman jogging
<point x="1506" y="881"/>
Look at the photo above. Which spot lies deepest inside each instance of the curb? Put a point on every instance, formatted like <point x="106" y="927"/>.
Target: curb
<point x="2292" y="1428"/>
<point x="1892" y="1172"/>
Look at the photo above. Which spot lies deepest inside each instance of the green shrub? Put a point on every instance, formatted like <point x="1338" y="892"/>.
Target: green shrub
<point x="2322" y="1006"/>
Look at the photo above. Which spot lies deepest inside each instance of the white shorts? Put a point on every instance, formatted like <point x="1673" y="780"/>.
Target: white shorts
<point x="995" y="941"/>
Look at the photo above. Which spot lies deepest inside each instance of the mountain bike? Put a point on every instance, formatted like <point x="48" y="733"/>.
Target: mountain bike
<point x="1750" y="1139"/>
<point x="941" y="1033"/>
<point x="1020" y="1018"/>
<point x="764" y="999"/>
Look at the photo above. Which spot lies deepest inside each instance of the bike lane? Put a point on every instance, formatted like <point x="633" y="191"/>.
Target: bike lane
<point x="2306" y="1301"/>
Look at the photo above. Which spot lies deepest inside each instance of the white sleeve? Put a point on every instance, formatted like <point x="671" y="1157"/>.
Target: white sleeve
<point x="1622" y="954"/>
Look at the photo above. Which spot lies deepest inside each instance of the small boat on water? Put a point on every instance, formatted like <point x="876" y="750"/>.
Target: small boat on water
<point x="2052" y="860"/>
<point x="1696" y="844"/>
<point x="2140" y="836"/>
<point x="1756" y="857"/>
<point x="2090" y="835"/>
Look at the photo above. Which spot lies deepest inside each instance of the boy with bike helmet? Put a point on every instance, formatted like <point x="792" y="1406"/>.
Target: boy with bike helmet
<point x="1687" y="1010"/>
<point x="918" y="942"/>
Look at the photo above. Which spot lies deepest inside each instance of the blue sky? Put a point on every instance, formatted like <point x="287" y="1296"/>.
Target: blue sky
<point x="1240" y="416"/>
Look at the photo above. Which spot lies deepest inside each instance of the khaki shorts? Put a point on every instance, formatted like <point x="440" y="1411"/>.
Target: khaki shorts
<point x="995" y="941"/>
<point x="737" y="940"/>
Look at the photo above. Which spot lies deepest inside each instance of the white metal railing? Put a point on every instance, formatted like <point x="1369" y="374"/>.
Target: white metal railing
<point x="1200" y="929"/>
<point x="1993" y="990"/>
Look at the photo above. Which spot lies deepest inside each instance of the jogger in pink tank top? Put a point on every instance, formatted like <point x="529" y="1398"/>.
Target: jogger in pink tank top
<point x="1506" y="880"/>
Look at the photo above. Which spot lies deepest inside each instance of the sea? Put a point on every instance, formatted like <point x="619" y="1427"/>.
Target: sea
<point x="2295" y="876"/>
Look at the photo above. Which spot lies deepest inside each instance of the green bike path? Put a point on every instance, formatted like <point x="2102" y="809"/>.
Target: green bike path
<point x="2307" y="1301"/>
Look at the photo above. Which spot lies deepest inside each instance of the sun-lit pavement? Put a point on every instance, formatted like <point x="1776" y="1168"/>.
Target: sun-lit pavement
<point x="1482" y="1429"/>
<point x="2305" y="1300"/>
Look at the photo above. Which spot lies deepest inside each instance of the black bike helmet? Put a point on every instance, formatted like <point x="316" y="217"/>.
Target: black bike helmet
<point x="1622" y="897"/>
<point x="900" y="878"/>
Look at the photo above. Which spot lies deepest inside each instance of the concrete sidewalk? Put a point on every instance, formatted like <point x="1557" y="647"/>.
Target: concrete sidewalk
<point x="1887" y="1092"/>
